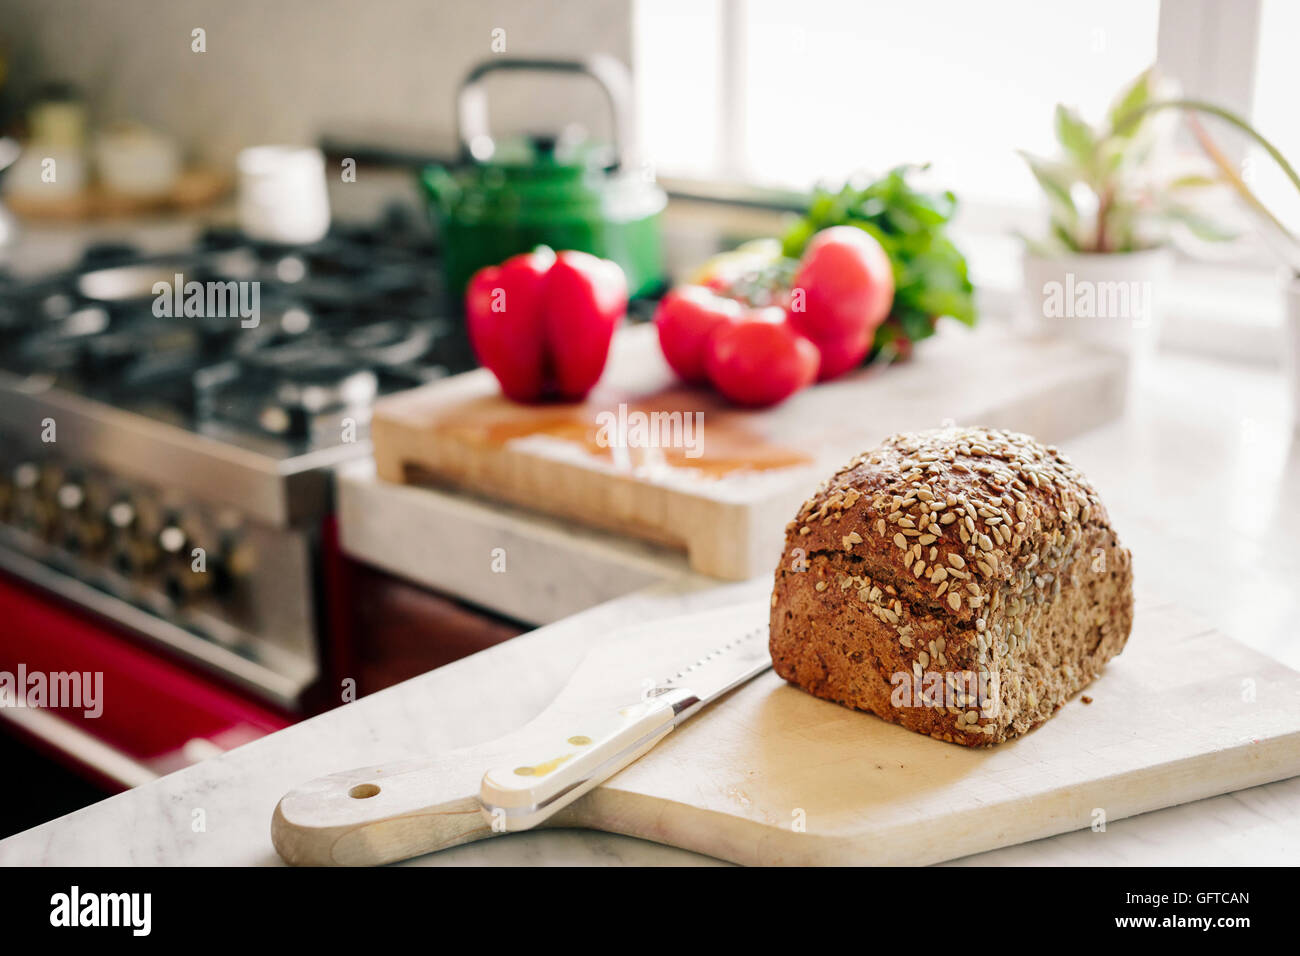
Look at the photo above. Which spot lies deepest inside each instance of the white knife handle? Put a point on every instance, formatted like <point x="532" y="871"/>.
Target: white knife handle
<point x="558" y="766"/>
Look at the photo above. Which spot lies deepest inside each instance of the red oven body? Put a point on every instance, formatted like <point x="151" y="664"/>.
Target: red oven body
<point x="154" y="710"/>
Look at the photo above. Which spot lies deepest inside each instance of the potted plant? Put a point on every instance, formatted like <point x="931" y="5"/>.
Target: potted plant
<point x="1116" y="200"/>
<point x="1282" y="240"/>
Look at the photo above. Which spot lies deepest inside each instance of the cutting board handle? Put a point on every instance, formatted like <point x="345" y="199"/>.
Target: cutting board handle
<point x="380" y="814"/>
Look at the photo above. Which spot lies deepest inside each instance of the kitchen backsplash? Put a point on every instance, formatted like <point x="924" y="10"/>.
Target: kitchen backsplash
<point x="290" y="70"/>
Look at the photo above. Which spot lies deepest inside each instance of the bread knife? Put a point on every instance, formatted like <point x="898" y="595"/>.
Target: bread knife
<point x="562" y="763"/>
<point x="611" y="711"/>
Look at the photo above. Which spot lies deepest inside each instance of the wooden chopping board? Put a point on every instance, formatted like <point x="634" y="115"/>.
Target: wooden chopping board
<point x="772" y="775"/>
<point x="725" y="499"/>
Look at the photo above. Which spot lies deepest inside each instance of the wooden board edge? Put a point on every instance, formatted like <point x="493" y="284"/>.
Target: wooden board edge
<point x="752" y="843"/>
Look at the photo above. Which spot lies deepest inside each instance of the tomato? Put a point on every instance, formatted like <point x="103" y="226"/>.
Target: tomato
<point x="760" y="359"/>
<point x="844" y="289"/>
<point x="840" y="356"/>
<point x="686" y="317"/>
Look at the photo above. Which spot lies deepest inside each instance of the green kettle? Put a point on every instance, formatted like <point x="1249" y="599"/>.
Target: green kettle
<point x="507" y="197"/>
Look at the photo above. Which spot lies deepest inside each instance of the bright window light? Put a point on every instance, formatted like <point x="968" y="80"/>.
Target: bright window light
<point x="1277" y="81"/>
<point x="833" y="87"/>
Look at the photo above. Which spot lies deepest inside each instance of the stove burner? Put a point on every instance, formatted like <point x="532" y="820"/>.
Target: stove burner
<point x="395" y="342"/>
<point x="358" y="314"/>
<point x="297" y="395"/>
<point x="286" y="381"/>
<point x="103" y="254"/>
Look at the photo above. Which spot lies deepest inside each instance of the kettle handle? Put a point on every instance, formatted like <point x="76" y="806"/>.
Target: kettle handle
<point x="609" y="73"/>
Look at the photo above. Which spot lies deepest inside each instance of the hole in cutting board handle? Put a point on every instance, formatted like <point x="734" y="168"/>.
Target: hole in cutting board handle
<point x="363" y="790"/>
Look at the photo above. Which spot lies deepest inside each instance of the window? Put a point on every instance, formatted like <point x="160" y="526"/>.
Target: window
<point x="782" y="93"/>
<point x="679" y="107"/>
<point x="821" y="89"/>
<point x="1276" y="113"/>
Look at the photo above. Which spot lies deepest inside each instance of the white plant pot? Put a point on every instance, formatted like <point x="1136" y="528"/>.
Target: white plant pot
<point x="1112" y="301"/>
<point x="1291" y="346"/>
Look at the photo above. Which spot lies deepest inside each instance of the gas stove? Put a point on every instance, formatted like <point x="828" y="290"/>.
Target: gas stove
<point x="169" y="425"/>
<point x="298" y="336"/>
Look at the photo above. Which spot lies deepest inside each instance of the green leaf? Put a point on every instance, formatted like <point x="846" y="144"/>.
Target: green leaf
<point x="1195" y="181"/>
<point x="1055" y="181"/>
<point x="1122" y="222"/>
<point x="1199" y="225"/>
<point x="1064" y="236"/>
<point x="917" y="324"/>
<point x="797" y="237"/>
<point x="1075" y="136"/>
<point x="1113" y="154"/>
<point x="1137" y="95"/>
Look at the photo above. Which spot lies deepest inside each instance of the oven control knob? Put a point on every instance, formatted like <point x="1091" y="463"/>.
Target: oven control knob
<point x="71" y="496"/>
<point x="172" y="538"/>
<point x="182" y="580"/>
<point x="27" y="476"/>
<point x="70" y="500"/>
<point x="121" y="516"/>
<point x="82" y="527"/>
<point x="49" y="480"/>
<point x="31" y="512"/>
<point x="235" y="560"/>
<point x="132" y="552"/>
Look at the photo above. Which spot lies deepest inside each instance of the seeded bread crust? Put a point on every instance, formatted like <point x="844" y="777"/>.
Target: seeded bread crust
<point x="974" y="569"/>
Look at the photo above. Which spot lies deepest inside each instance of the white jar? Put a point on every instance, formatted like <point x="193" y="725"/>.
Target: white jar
<point x="282" y="194"/>
<point x="136" y="161"/>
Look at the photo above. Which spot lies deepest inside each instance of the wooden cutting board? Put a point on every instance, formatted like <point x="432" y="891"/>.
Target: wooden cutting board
<point x="772" y="775"/>
<point x="725" y="499"/>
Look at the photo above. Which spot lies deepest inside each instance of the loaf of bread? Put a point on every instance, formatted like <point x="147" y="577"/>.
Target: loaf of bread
<point x="962" y="582"/>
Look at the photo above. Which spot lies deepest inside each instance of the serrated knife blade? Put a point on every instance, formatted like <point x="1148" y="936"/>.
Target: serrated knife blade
<point x="727" y="666"/>
<point x="716" y="652"/>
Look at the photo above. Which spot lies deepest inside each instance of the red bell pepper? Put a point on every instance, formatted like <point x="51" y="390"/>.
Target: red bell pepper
<point x="542" y="322"/>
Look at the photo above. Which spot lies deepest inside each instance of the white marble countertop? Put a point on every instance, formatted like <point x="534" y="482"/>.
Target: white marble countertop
<point x="1202" y="478"/>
